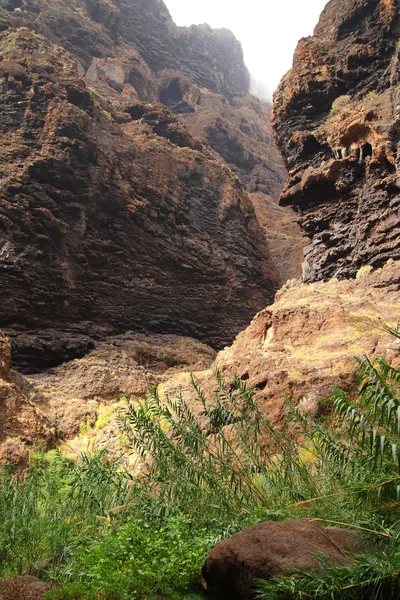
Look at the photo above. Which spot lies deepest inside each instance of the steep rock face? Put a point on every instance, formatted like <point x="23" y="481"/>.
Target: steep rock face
<point x="21" y="425"/>
<point x="113" y="216"/>
<point x="302" y="346"/>
<point x="337" y="118"/>
<point x="240" y="132"/>
<point x="210" y="58"/>
<point x="91" y="29"/>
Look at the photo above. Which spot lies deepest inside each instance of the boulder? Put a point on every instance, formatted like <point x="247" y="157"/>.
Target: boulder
<point x="270" y="550"/>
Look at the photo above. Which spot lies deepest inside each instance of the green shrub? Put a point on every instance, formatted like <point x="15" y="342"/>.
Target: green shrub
<point x="138" y="560"/>
<point x="362" y="455"/>
<point x="207" y="473"/>
<point x="339" y="104"/>
<point x="364" y="271"/>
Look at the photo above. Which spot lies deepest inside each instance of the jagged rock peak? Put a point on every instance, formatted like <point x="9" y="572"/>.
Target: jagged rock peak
<point x="88" y="28"/>
<point x="337" y="118"/>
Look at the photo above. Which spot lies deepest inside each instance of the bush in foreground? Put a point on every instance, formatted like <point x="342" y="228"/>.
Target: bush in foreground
<point x="206" y="474"/>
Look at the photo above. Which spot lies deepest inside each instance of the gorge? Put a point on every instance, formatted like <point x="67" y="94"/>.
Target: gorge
<point x="163" y="229"/>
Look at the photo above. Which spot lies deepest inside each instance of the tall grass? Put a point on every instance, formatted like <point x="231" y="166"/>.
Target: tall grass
<point x="360" y="452"/>
<point x="221" y="458"/>
<point x="208" y="468"/>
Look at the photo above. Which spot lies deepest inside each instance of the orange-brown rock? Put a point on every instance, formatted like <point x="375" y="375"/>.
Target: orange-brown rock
<point x="21" y="425"/>
<point x="302" y="346"/>
<point x="305" y="344"/>
<point x="336" y="118"/>
<point x="75" y="405"/>
<point x="114" y="214"/>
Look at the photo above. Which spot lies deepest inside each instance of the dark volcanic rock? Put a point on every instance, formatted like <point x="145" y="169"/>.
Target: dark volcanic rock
<point x="337" y="118"/>
<point x="112" y="216"/>
<point x="212" y="59"/>
<point x="270" y="550"/>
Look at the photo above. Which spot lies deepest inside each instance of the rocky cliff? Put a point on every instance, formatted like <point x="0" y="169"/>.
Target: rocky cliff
<point x="122" y="209"/>
<point x="337" y="119"/>
<point x="302" y="346"/>
<point x="21" y="424"/>
<point x="127" y="147"/>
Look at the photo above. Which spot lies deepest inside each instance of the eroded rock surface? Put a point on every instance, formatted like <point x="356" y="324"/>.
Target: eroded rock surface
<point x="118" y="208"/>
<point x="75" y="405"/>
<point x="336" y="117"/>
<point x="20" y="422"/>
<point x="305" y="344"/>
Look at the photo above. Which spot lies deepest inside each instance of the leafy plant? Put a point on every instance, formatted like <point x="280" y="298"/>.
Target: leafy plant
<point x="210" y="466"/>
<point x="213" y="459"/>
<point x="138" y="560"/>
<point x="361" y="452"/>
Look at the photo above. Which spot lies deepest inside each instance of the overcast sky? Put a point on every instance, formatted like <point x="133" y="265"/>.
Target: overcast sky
<point x="268" y="29"/>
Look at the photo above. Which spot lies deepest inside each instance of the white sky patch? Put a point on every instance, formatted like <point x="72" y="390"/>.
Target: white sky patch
<point x="268" y="29"/>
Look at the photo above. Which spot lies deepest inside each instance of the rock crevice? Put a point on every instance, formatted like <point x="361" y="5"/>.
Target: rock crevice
<point x="336" y="120"/>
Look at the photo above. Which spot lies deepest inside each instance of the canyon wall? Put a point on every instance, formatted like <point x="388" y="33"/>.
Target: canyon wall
<point x="135" y="198"/>
<point x="133" y="163"/>
<point x="337" y="122"/>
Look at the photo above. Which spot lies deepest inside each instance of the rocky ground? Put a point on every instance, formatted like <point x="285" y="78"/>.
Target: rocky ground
<point x="305" y="344"/>
<point x="75" y="405"/>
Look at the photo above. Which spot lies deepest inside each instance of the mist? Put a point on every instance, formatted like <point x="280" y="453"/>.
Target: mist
<point x="268" y="30"/>
<point x="260" y="90"/>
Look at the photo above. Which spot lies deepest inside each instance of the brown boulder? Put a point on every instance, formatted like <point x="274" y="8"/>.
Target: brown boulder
<point x="270" y="550"/>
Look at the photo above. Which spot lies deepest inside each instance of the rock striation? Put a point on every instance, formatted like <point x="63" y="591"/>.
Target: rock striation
<point x="123" y="203"/>
<point x="336" y="118"/>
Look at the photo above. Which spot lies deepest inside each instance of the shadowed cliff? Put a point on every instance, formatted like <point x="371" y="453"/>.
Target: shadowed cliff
<point x="118" y="211"/>
<point x="336" y="119"/>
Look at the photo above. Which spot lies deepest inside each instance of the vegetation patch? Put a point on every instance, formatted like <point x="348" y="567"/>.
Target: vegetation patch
<point x="99" y="533"/>
<point x="339" y="104"/>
